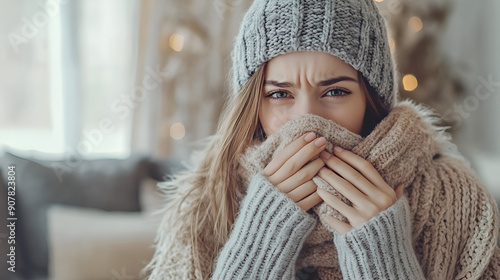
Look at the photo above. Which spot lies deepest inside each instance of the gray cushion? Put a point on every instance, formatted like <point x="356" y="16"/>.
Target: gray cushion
<point x="161" y="169"/>
<point x="107" y="184"/>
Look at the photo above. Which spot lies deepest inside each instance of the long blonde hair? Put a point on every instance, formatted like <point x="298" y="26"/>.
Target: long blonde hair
<point x="213" y="184"/>
<point x="207" y="206"/>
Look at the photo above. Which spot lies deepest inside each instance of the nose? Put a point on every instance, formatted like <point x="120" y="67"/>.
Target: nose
<point x="305" y="106"/>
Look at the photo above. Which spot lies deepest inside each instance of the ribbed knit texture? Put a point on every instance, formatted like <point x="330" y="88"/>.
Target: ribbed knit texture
<point x="270" y="230"/>
<point x="353" y="31"/>
<point x="381" y="248"/>
<point x="454" y="220"/>
<point x="267" y="236"/>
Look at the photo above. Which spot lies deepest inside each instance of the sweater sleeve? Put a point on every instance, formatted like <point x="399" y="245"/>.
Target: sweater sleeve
<point x="381" y="248"/>
<point x="267" y="236"/>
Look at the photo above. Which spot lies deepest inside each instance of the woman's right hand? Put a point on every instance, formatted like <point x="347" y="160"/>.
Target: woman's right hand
<point x="289" y="172"/>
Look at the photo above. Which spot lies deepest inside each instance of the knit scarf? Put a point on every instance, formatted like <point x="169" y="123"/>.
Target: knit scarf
<point x="454" y="219"/>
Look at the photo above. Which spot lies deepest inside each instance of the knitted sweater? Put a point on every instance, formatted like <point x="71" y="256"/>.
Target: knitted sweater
<point x="444" y="227"/>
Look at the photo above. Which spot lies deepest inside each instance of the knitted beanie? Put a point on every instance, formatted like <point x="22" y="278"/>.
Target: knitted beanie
<point x="352" y="30"/>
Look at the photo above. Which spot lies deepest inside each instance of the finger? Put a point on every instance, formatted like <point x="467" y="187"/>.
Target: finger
<point x="355" y="216"/>
<point x="337" y="225"/>
<point x="350" y="174"/>
<point x="287" y="153"/>
<point x="336" y="203"/>
<point x="300" y="177"/>
<point x="298" y="160"/>
<point x="310" y="201"/>
<point x="302" y="191"/>
<point x="343" y="187"/>
<point x="363" y="166"/>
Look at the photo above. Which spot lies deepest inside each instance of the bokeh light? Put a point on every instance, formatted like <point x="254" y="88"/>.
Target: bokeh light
<point x="176" y="41"/>
<point x="177" y="131"/>
<point x="415" y="24"/>
<point x="410" y="82"/>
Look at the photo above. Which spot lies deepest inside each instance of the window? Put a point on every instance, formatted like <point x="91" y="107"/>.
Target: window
<point x="66" y="66"/>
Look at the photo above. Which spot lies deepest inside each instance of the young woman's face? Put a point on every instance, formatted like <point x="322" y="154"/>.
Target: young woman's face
<point x="318" y="83"/>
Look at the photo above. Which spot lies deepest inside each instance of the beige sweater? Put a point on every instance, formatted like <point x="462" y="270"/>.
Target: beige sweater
<point x="454" y="219"/>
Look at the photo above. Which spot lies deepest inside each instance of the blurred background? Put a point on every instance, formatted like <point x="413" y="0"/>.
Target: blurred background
<point x="101" y="99"/>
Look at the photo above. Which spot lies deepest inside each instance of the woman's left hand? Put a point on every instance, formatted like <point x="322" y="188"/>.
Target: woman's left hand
<point x="360" y="183"/>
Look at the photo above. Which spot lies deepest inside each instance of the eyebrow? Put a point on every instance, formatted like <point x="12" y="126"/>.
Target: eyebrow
<point x="321" y="83"/>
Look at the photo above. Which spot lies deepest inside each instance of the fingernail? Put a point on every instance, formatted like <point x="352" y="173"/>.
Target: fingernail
<point x="320" y="142"/>
<point x="338" y="149"/>
<point x="310" y="136"/>
<point x="325" y="155"/>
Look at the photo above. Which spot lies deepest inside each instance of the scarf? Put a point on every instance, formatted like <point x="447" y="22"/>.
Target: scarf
<point x="454" y="218"/>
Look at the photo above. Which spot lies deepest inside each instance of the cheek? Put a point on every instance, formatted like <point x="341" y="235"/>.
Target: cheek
<point x="350" y="115"/>
<point x="271" y="122"/>
<point x="354" y="122"/>
<point x="356" y="113"/>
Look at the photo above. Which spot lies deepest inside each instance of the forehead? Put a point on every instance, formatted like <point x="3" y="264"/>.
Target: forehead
<point x="312" y="65"/>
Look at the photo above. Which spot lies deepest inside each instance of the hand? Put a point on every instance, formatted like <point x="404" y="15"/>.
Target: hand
<point x="290" y="174"/>
<point x="360" y="183"/>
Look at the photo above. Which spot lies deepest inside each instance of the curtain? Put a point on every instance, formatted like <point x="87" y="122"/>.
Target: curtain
<point x="188" y="43"/>
<point x="66" y="76"/>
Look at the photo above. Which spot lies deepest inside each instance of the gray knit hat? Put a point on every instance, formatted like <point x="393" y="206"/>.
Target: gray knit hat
<point x="352" y="30"/>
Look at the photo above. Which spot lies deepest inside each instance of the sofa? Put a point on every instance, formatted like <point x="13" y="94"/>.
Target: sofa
<point x="81" y="218"/>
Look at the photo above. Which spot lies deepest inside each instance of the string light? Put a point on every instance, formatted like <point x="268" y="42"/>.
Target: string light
<point x="410" y="82"/>
<point x="415" y="24"/>
<point x="177" y="131"/>
<point x="176" y="41"/>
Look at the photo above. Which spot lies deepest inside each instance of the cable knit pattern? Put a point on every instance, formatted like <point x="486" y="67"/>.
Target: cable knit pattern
<point x="270" y="230"/>
<point x="454" y="220"/>
<point x="353" y="31"/>
<point x="267" y="236"/>
<point x="381" y="248"/>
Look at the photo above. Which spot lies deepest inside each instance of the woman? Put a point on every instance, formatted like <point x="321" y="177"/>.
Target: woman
<point x="318" y="172"/>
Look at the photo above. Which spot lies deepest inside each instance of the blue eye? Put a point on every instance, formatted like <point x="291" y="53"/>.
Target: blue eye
<point x="337" y="92"/>
<point x="277" y="95"/>
<point x="334" y="92"/>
